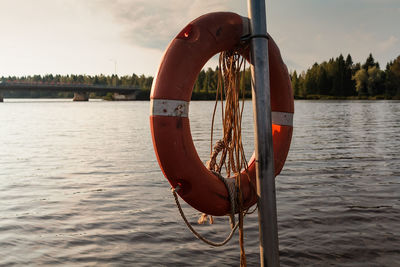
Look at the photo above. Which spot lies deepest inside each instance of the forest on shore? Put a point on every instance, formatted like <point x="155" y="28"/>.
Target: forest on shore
<point x="337" y="78"/>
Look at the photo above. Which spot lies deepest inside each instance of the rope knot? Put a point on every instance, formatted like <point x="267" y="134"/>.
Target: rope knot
<point x="218" y="147"/>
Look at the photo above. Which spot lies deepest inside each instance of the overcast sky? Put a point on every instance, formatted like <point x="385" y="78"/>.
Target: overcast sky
<point x="94" y="36"/>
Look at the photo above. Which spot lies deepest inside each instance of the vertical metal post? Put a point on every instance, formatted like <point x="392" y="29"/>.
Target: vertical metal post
<point x="267" y="217"/>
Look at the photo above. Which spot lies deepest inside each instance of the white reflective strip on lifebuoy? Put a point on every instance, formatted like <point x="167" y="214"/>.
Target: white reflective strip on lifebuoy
<point x="282" y="118"/>
<point x="168" y="107"/>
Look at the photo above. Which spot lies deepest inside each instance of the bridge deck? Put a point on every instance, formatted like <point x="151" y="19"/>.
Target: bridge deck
<point x="77" y="88"/>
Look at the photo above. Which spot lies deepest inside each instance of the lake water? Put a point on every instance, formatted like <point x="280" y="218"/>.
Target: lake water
<point x="80" y="186"/>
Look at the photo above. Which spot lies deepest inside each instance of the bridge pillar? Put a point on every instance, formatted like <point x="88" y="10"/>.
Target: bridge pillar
<point x="1" y="96"/>
<point x="84" y="96"/>
<point x="118" y="96"/>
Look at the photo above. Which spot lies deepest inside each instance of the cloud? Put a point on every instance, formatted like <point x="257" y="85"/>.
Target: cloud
<point x="153" y="24"/>
<point x="387" y="44"/>
<point x="305" y="33"/>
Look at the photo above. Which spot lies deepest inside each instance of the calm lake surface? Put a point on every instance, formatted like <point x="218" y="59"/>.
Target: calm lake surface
<point x="80" y="186"/>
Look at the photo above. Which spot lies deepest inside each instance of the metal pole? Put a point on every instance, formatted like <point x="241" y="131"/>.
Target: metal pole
<point x="267" y="217"/>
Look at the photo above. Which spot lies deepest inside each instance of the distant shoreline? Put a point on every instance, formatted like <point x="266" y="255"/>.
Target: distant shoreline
<point x="327" y="97"/>
<point x="211" y="97"/>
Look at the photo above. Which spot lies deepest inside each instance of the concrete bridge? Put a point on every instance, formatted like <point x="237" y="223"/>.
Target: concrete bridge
<point x="81" y="91"/>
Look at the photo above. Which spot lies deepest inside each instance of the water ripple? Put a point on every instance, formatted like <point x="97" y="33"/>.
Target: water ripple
<point x="80" y="186"/>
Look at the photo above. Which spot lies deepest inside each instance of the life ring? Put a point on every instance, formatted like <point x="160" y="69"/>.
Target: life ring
<point x="170" y="97"/>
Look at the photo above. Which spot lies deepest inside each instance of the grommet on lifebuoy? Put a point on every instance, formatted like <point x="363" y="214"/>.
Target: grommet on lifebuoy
<point x="169" y="120"/>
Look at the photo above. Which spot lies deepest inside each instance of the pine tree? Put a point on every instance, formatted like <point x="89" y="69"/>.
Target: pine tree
<point x="392" y="81"/>
<point x="370" y="62"/>
<point x="349" y="83"/>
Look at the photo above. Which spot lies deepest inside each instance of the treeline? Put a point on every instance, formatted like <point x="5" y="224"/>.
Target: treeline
<point x="341" y="78"/>
<point x="142" y="81"/>
<point x="338" y="78"/>
<point x="206" y="84"/>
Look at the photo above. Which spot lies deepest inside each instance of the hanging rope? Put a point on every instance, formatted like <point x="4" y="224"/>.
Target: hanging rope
<point x="230" y="147"/>
<point x="227" y="154"/>
<point x="198" y="235"/>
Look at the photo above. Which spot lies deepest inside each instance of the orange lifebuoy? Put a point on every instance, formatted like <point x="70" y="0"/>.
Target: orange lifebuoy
<point x="170" y="97"/>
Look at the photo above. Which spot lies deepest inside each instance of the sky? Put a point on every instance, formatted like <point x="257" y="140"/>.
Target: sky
<point x="129" y="36"/>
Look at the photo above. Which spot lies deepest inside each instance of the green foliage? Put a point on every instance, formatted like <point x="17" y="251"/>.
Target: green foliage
<point x="392" y="81"/>
<point x="361" y="79"/>
<point x="374" y="83"/>
<point x="200" y="81"/>
<point x="295" y="83"/>
<point x="370" y="80"/>
<point x="207" y="83"/>
<point x="341" y="78"/>
<point x="370" y="62"/>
